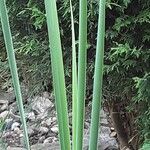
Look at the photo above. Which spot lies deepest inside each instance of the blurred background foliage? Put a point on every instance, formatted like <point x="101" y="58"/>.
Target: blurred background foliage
<point x="127" y="52"/>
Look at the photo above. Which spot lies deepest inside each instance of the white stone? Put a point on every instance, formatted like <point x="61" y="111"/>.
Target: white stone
<point x="113" y="134"/>
<point x="15" y="148"/>
<point x="3" y="101"/>
<point x="16" y="130"/>
<point x="43" y="130"/>
<point x="103" y="114"/>
<point x="31" y="116"/>
<point x="48" y="122"/>
<point x="55" y="129"/>
<point x="4" y="107"/>
<point x="104" y="121"/>
<point x="21" y="135"/>
<point x="14" y="125"/>
<point x="41" y="139"/>
<point x="54" y="119"/>
<point x="41" y="105"/>
<point x="4" y="114"/>
<point x="48" y="140"/>
<point x="30" y="131"/>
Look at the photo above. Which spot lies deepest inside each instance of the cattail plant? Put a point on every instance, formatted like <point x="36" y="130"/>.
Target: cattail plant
<point x="78" y="74"/>
<point x="13" y="66"/>
<point x="98" y="78"/>
<point x="81" y="72"/>
<point x="58" y="73"/>
<point x="74" y="85"/>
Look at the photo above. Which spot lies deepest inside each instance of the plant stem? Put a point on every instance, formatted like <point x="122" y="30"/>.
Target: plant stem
<point x="81" y="72"/>
<point x="74" y="84"/>
<point x="98" y="77"/>
<point x="13" y="66"/>
<point x="58" y="73"/>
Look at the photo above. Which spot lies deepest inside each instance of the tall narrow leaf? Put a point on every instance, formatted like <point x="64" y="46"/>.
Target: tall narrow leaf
<point x="98" y="76"/>
<point x="74" y="84"/>
<point x="81" y="72"/>
<point x="13" y="66"/>
<point x="58" y="73"/>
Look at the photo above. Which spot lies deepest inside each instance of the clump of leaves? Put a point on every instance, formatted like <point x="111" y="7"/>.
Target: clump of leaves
<point x="146" y="145"/>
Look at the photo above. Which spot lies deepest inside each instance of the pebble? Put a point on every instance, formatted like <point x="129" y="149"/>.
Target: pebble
<point x="54" y="119"/>
<point x="41" y="139"/>
<point x="3" y="102"/>
<point x="48" y="140"/>
<point x="113" y="134"/>
<point x="55" y="129"/>
<point x="112" y="128"/>
<point x="46" y="94"/>
<point x="43" y="130"/>
<point x="14" y="125"/>
<point x="48" y="122"/>
<point x="4" y="107"/>
<point x="15" y="148"/>
<point x="31" y="116"/>
<point x="9" y="123"/>
<point x="4" y="114"/>
<point x="30" y="131"/>
<point x="17" y="130"/>
<point x="42" y="105"/>
<point x="21" y="135"/>
<point x="104" y="121"/>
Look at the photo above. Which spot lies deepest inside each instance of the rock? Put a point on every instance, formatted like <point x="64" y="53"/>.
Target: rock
<point x="3" y="105"/>
<point x="11" y="93"/>
<point x="113" y="134"/>
<point x="111" y="148"/>
<point x="54" y="119"/>
<point x="17" y="130"/>
<point x="43" y="123"/>
<point x="112" y="128"/>
<point x="55" y="129"/>
<point x="7" y="96"/>
<point x="48" y="140"/>
<point x="86" y="124"/>
<point x="41" y="139"/>
<point x="8" y="123"/>
<point x="31" y="116"/>
<point x="21" y="135"/>
<point x="41" y="105"/>
<point x="107" y="141"/>
<point x="43" y="130"/>
<point x="46" y="146"/>
<point x="21" y="141"/>
<point x="30" y="131"/>
<point x="48" y="122"/>
<point x="46" y="95"/>
<point x="4" y="114"/>
<point x="3" y="101"/>
<point x="104" y="131"/>
<point x="15" y="148"/>
<point x="104" y="121"/>
<point x="14" y="125"/>
<point x="102" y="114"/>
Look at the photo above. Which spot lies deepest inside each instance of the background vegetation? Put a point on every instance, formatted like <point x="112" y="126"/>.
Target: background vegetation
<point x="126" y="87"/>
